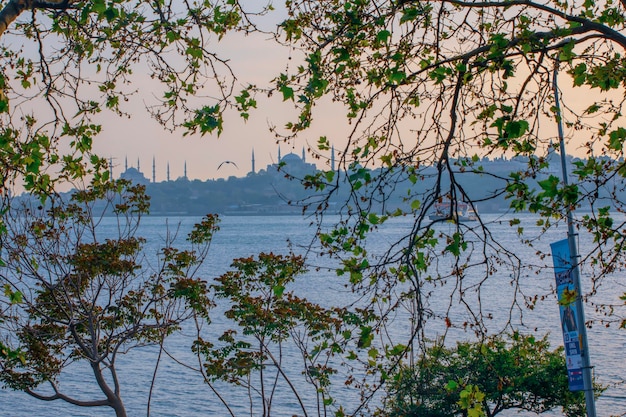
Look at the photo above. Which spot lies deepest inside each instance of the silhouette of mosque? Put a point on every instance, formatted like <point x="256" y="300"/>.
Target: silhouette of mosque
<point x="291" y="164"/>
<point x="130" y="173"/>
<point x="271" y="191"/>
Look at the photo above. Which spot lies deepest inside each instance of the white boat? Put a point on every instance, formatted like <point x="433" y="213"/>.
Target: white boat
<point x="458" y="212"/>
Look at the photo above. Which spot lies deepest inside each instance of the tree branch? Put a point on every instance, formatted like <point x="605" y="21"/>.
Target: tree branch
<point x="59" y="396"/>
<point x="14" y="8"/>
<point x="587" y="24"/>
<point x="10" y="12"/>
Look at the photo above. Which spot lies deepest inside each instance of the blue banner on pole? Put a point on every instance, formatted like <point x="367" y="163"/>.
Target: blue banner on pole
<point x="567" y="296"/>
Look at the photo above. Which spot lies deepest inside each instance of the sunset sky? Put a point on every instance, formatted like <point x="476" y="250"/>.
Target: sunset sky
<point x="257" y="60"/>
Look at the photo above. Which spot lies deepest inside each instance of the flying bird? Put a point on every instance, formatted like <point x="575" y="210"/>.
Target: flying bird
<point x="227" y="162"/>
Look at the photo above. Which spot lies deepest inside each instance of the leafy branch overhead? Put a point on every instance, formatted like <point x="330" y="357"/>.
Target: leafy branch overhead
<point x="362" y="52"/>
<point x="464" y="78"/>
<point x="431" y="91"/>
<point x="443" y="85"/>
<point x="73" y="60"/>
<point x="435" y="96"/>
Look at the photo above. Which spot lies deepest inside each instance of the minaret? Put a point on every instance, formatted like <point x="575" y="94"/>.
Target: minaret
<point x="332" y="157"/>
<point x="110" y="167"/>
<point x="185" y="172"/>
<point x="126" y="163"/>
<point x="153" y="169"/>
<point x="138" y="169"/>
<point x="253" y="170"/>
<point x="168" y="171"/>
<point x="279" y="154"/>
<point x="303" y="155"/>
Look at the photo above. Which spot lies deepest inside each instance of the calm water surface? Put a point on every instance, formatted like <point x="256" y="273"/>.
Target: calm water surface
<point x="180" y="392"/>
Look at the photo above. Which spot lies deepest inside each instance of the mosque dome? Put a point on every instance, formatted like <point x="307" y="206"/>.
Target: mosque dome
<point x="135" y="176"/>
<point x="291" y="158"/>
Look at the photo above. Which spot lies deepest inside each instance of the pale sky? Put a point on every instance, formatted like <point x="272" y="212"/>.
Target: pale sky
<point x="256" y="60"/>
<point x="142" y="138"/>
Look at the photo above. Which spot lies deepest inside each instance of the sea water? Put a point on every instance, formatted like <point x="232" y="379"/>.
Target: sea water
<point x="179" y="390"/>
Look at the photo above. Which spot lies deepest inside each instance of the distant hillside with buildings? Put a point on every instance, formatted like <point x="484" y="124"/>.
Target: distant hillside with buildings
<point x="276" y="190"/>
<point x="266" y="191"/>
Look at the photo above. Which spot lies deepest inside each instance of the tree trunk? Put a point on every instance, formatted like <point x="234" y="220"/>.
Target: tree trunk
<point x="118" y="405"/>
<point x="114" y="398"/>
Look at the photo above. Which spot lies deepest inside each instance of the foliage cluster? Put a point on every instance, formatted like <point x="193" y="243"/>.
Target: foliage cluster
<point x="64" y="62"/>
<point x="422" y="85"/>
<point x="71" y="296"/>
<point x="519" y="372"/>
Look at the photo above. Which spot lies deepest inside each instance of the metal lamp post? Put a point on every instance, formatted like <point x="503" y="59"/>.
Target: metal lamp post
<point x="575" y="275"/>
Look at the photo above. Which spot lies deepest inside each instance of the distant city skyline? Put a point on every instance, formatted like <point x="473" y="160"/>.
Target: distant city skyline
<point x="118" y="170"/>
<point x="269" y="190"/>
<point x="151" y="176"/>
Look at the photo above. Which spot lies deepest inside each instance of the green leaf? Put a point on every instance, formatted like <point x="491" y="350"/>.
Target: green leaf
<point x="322" y="143"/>
<point x="207" y="119"/>
<point x="452" y="385"/>
<point x="397" y="77"/>
<point x="397" y="350"/>
<point x="409" y="14"/>
<point x="580" y="74"/>
<point x="15" y="297"/>
<point x="516" y="128"/>
<point x="98" y="6"/>
<point x="616" y="139"/>
<point x="456" y="244"/>
<point x="549" y="186"/>
<point x="287" y="92"/>
<point x="592" y="109"/>
<point x="278" y="290"/>
<point x="383" y="36"/>
<point x="172" y="36"/>
<point x="366" y="337"/>
<point x="372" y="353"/>
<point x="567" y="52"/>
